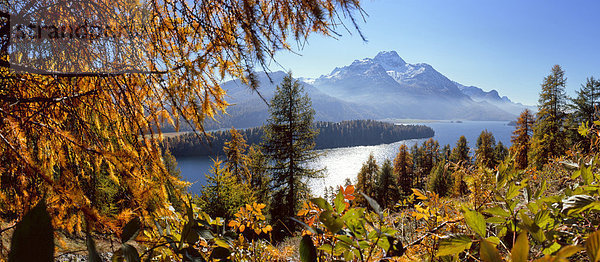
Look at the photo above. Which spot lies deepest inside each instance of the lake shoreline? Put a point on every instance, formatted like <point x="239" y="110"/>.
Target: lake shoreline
<point x="345" y="162"/>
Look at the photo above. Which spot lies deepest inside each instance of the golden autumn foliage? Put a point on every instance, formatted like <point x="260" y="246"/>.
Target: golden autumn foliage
<point x="520" y="139"/>
<point x="74" y="113"/>
<point x="506" y="215"/>
<point x="250" y="217"/>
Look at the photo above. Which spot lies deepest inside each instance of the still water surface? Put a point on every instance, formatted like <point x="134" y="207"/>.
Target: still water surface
<point x="345" y="162"/>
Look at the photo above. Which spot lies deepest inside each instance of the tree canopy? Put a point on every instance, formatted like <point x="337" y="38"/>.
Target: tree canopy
<point x="460" y="153"/>
<point x="549" y="134"/>
<point x="73" y="109"/>
<point x="521" y="139"/>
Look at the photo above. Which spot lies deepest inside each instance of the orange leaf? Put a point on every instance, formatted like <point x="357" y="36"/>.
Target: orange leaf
<point x="349" y="190"/>
<point x="311" y="221"/>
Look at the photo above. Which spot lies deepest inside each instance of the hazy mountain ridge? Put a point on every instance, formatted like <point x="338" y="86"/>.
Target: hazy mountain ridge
<point x="478" y="93"/>
<point x="384" y="86"/>
<point x="492" y="97"/>
<point x="247" y="109"/>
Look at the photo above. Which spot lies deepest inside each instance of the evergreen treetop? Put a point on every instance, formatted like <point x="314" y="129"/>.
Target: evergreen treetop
<point x="587" y="99"/>
<point x="366" y="179"/>
<point x="289" y="142"/>
<point x="403" y="169"/>
<point x="485" y="149"/>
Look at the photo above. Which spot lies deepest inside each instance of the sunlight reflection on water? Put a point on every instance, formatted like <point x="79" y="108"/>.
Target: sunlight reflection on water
<point x="342" y="163"/>
<point x="345" y="162"/>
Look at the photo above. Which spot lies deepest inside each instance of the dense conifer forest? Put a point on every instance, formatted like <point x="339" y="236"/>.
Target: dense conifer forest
<point x="330" y="135"/>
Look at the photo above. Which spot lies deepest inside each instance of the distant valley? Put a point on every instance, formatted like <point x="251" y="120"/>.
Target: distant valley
<point x="383" y="87"/>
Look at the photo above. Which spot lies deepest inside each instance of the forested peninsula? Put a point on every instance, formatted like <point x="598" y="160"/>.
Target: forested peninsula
<point x="330" y="135"/>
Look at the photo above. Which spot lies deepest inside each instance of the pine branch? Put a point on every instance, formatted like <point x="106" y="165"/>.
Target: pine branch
<point x="82" y="74"/>
<point x="17" y="100"/>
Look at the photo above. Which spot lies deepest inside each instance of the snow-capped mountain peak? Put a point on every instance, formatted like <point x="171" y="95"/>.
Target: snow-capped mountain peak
<point x="403" y="89"/>
<point x="366" y="67"/>
<point x="390" y="60"/>
<point x="384" y="63"/>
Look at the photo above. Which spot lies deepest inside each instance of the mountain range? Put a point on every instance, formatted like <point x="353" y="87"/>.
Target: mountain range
<point x="383" y="87"/>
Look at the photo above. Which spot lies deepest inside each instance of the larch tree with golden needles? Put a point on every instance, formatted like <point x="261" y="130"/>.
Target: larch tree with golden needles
<point x="460" y="152"/>
<point x="237" y="160"/>
<point x="71" y="109"/>
<point x="223" y="194"/>
<point x="549" y="131"/>
<point x="521" y="139"/>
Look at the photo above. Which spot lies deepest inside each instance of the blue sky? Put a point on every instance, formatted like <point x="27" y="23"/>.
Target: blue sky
<point x="505" y="45"/>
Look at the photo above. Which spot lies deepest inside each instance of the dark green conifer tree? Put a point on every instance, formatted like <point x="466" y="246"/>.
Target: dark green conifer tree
<point x="584" y="107"/>
<point x="440" y="179"/>
<point x="446" y="152"/>
<point x="586" y="102"/>
<point x="417" y="156"/>
<point x="425" y="159"/>
<point x="174" y="192"/>
<point x="500" y="152"/>
<point x="485" y="150"/>
<point x="387" y="190"/>
<point x="288" y="143"/>
<point x="403" y="165"/>
<point x="259" y="178"/>
<point x="366" y="178"/>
